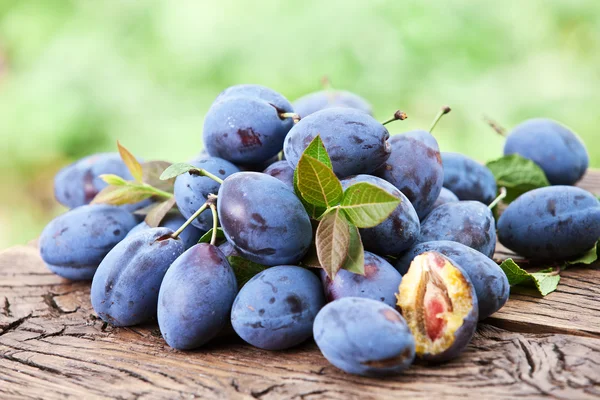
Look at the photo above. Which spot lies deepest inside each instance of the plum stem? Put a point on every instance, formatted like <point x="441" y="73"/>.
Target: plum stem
<point x="295" y="117"/>
<point x="445" y="110"/>
<point x="204" y="172"/>
<point x="498" y="199"/>
<point x="500" y="130"/>
<point x="326" y="83"/>
<point x="213" y="209"/>
<point x="190" y="219"/>
<point x="398" y="115"/>
<point x="158" y="192"/>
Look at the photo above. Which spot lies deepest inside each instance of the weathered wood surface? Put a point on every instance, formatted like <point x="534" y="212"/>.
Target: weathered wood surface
<point x="52" y="346"/>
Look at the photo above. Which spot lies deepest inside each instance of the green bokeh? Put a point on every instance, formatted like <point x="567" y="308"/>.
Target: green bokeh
<point x="77" y="75"/>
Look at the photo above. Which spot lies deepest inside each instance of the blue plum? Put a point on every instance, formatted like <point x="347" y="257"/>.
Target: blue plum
<point x="260" y="167"/>
<point x="282" y="171"/>
<point x="364" y="337"/>
<point x="275" y="309"/>
<point x="399" y="231"/>
<point x="555" y="148"/>
<point x="195" y="297"/>
<point x="189" y="236"/>
<point x="380" y="282"/>
<point x="468" y="222"/>
<point x="415" y="168"/>
<point x="263" y="219"/>
<point x="439" y="303"/>
<point x="468" y="179"/>
<point x="191" y="191"/>
<point x="355" y="141"/>
<point x="125" y="287"/>
<point x="317" y="101"/>
<point x="73" y="244"/>
<point x="446" y="196"/>
<point x="245" y="124"/>
<point x="488" y="279"/>
<point x="551" y="222"/>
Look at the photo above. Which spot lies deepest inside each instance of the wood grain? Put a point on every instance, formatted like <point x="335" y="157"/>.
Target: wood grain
<point x="52" y="347"/>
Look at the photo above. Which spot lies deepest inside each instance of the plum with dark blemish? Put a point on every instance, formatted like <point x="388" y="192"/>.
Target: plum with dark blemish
<point x="446" y="196"/>
<point x="364" y="337"/>
<point x="554" y="147"/>
<point x="317" y="101"/>
<point x="415" y="168"/>
<point x="439" y="303"/>
<point x="73" y="244"/>
<point x="488" y="279"/>
<point x="552" y="222"/>
<point x="355" y="141"/>
<point x="398" y="231"/>
<point x="275" y="309"/>
<point x="191" y="191"/>
<point x="468" y="179"/>
<point x="246" y="125"/>
<point x="125" y="287"/>
<point x="282" y="171"/>
<point x="263" y="219"/>
<point x="380" y="282"/>
<point x="195" y="297"/>
<point x="468" y="222"/>
<point x="189" y="236"/>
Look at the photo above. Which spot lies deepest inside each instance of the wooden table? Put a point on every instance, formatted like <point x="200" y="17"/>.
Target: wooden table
<point x="53" y="346"/>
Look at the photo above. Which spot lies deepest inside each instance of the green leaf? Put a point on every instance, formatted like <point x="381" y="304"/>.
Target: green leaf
<point x="158" y="213"/>
<point x="113" y="179"/>
<point x="152" y="172"/>
<point x="518" y="175"/>
<point x="317" y="183"/>
<point x="355" y="262"/>
<point x="545" y="281"/>
<point x="313" y="211"/>
<point x="244" y="269"/>
<point x="587" y="258"/>
<point x="120" y="195"/>
<point x="333" y="241"/>
<point x="367" y="205"/>
<point x="316" y="149"/>
<point x="132" y="164"/>
<point x="177" y="169"/>
<point x="208" y="235"/>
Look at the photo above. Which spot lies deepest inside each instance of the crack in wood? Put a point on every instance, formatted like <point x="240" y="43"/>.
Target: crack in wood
<point x="15" y="324"/>
<point x="6" y="308"/>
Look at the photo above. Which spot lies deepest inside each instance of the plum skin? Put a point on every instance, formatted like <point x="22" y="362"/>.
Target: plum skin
<point x="551" y="222"/>
<point x="282" y="171"/>
<point x="468" y="222"/>
<point x="398" y="231"/>
<point x="275" y="309"/>
<point x="446" y="196"/>
<point x="468" y="179"/>
<point x="488" y="279"/>
<point x="189" y="317"/>
<point x="263" y="219"/>
<point x="317" y="101"/>
<point x="73" y="244"/>
<point x="380" y="282"/>
<point x="189" y="236"/>
<point x="191" y="191"/>
<point x="364" y="337"/>
<point x="556" y="149"/>
<point x="355" y="141"/>
<point x="125" y="287"/>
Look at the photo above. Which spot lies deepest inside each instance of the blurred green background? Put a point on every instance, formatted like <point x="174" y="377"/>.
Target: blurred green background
<point x="75" y="76"/>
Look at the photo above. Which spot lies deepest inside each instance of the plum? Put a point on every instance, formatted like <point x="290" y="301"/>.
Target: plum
<point x="446" y="196"/>
<point x="263" y="219"/>
<point x="364" y="337"/>
<point x="73" y="244"/>
<point x="317" y="101"/>
<point x="380" y="282"/>
<point x="551" y="222"/>
<point x="275" y="309"/>
<point x="488" y="279"/>
<point x="439" y="303"/>
<point x="195" y="297"/>
<point x="355" y="141"/>
<point x="468" y="222"/>
<point x="189" y="236"/>
<point x="415" y="168"/>
<point x="555" y="148"/>
<point x="282" y="171"/>
<point x="125" y="287"/>
<point x="468" y="179"/>
<point x="191" y="191"/>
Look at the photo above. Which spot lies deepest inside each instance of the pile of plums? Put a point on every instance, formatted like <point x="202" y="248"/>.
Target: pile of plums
<point x="429" y="276"/>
